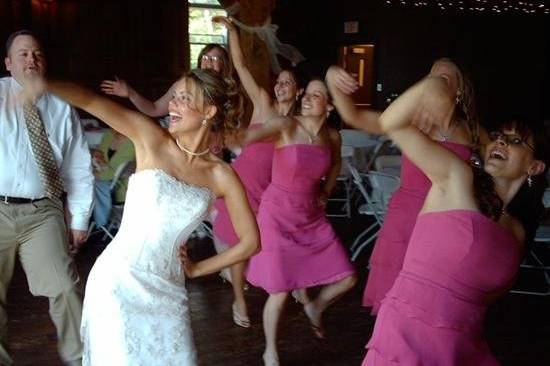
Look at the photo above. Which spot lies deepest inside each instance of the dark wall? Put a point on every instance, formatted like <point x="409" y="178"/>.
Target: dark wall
<point x="142" y="41"/>
<point x="145" y="41"/>
<point x="506" y="55"/>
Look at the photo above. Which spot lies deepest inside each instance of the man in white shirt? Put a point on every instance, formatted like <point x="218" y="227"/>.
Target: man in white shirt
<point x="32" y="225"/>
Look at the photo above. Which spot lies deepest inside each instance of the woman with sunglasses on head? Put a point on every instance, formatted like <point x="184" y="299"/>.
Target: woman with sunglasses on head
<point x="299" y="246"/>
<point x="135" y="307"/>
<point x="253" y="165"/>
<point x="468" y="240"/>
<point x="458" y="134"/>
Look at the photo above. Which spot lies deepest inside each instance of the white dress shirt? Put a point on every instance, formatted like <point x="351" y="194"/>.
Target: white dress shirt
<point x="19" y="175"/>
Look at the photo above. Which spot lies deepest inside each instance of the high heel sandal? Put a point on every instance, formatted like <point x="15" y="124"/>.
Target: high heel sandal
<point x="238" y="319"/>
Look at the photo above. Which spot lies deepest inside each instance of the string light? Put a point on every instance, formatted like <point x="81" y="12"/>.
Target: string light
<point x="478" y="6"/>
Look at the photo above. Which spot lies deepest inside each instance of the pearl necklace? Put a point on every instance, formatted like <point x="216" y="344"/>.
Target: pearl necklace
<point x="192" y="153"/>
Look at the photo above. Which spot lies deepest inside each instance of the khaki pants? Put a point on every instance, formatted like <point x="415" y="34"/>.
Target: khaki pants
<point x="36" y="231"/>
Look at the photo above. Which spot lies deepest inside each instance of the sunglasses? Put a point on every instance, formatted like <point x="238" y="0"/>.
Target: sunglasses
<point x="509" y="139"/>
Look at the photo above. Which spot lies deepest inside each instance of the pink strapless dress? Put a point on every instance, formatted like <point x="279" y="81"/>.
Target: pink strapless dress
<point x="391" y="245"/>
<point x="299" y="246"/>
<point x="253" y="166"/>
<point x="458" y="261"/>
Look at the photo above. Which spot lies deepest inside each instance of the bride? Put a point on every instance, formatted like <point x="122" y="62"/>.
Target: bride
<point x="135" y="307"/>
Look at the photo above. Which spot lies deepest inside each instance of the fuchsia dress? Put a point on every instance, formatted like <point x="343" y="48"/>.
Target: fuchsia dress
<point x="299" y="246"/>
<point x="457" y="261"/>
<point x="253" y="166"/>
<point x="390" y="248"/>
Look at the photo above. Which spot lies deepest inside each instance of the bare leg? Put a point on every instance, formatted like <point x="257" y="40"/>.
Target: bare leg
<point x="240" y="311"/>
<point x="328" y="295"/>
<point x="273" y="309"/>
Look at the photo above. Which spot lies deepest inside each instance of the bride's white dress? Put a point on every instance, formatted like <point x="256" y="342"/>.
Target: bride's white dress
<point x="135" y="306"/>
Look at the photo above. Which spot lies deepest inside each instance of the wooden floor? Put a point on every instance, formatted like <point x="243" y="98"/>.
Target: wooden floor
<point x="518" y="326"/>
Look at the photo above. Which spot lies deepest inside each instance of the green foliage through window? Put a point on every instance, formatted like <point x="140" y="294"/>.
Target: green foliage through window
<point x="201" y="29"/>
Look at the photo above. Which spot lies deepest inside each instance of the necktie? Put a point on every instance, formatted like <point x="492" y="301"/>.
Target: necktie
<point x="43" y="153"/>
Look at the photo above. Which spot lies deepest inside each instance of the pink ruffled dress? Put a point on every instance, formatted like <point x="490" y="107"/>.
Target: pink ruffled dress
<point x="253" y="166"/>
<point x="391" y="245"/>
<point x="458" y="261"/>
<point x="299" y="246"/>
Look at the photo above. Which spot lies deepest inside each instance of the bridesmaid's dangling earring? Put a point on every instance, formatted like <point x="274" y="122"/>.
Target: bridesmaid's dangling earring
<point x="529" y="181"/>
<point x="204" y="123"/>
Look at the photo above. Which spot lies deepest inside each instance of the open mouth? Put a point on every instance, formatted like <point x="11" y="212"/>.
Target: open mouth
<point x="498" y="154"/>
<point x="174" y="117"/>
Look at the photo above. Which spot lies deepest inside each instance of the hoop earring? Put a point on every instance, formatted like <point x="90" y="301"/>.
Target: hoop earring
<point x="529" y="181"/>
<point x="204" y="123"/>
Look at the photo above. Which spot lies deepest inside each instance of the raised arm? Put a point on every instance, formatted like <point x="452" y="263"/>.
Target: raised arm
<point x="255" y="92"/>
<point x="122" y="89"/>
<point x="427" y="102"/>
<point x="244" y="223"/>
<point x="139" y="128"/>
<point x="341" y="85"/>
<point x="271" y="130"/>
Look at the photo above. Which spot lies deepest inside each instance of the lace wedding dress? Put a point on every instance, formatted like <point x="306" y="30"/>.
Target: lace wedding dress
<point x="135" y="307"/>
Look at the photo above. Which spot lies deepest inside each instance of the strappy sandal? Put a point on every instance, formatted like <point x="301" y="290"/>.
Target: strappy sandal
<point x="238" y="319"/>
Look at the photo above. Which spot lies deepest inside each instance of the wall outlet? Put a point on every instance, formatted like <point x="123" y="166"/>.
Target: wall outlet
<point x="378" y="87"/>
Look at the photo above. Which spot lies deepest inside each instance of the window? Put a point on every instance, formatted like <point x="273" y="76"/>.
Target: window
<point x="201" y="29"/>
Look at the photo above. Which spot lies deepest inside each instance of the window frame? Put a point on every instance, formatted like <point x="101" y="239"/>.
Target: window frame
<point x="190" y="35"/>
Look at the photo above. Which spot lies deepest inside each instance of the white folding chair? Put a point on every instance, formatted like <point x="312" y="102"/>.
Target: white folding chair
<point x="389" y="164"/>
<point x="377" y="196"/>
<point x="355" y="147"/>
<point x="344" y="181"/>
<point x="534" y="261"/>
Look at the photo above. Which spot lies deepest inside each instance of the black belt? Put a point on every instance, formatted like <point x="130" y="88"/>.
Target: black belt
<point x="8" y="200"/>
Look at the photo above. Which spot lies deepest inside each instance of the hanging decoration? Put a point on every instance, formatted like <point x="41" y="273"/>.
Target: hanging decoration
<point x="478" y="6"/>
<point x="268" y="33"/>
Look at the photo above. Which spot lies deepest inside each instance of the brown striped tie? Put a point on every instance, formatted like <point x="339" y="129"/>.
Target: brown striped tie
<point x="43" y="153"/>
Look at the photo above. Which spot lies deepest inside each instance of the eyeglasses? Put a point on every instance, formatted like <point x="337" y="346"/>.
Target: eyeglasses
<point x="509" y="139"/>
<point x="211" y="58"/>
<point x="285" y="83"/>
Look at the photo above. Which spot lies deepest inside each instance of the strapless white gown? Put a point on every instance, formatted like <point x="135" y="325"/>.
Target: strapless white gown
<point x="135" y="306"/>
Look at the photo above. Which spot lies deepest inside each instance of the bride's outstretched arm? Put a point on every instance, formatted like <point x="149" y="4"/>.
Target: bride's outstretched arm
<point x="244" y="224"/>
<point x="138" y="127"/>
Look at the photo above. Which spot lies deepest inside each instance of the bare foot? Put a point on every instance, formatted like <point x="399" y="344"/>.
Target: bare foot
<point x="300" y="296"/>
<point x="314" y="317"/>
<point x="270" y="358"/>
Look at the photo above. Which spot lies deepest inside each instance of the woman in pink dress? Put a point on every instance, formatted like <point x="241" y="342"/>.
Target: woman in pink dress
<point x="299" y="247"/>
<point x="457" y="135"/>
<point x="253" y="165"/>
<point x="467" y="243"/>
